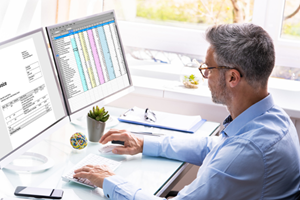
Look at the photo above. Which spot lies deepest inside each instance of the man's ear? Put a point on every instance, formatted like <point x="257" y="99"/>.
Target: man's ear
<point x="233" y="77"/>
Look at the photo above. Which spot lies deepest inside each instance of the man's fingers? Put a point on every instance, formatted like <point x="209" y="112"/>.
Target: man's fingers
<point x="106" y="135"/>
<point x="81" y="174"/>
<point x="122" y="150"/>
<point x="110" y="138"/>
<point x="100" y="166"/>
<point x="111" y="131"/>
<point x="115" y="136"/>
<point x="86" y="168"/>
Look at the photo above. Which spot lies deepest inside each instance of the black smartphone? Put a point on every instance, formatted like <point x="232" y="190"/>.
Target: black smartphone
<point x="39" y="192"/>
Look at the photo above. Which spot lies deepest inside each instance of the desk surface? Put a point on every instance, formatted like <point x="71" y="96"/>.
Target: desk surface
<point x="150" y="173"/>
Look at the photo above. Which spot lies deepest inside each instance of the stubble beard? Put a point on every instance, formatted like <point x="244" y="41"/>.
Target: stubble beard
<point x="219" y="93"/>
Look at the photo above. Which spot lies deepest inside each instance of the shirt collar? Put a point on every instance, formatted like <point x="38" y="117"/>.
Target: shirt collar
<point x="227" y="121"/>
<point x="233" y="126"/>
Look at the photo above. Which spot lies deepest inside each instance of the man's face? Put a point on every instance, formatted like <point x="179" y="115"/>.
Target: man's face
<point x="216" y="80"/>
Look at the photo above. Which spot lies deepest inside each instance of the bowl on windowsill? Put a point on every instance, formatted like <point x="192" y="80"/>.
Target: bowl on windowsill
<point x="190" y="76"/>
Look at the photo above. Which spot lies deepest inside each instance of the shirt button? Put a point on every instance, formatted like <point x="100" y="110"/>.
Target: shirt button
<point x="108" y="195"/>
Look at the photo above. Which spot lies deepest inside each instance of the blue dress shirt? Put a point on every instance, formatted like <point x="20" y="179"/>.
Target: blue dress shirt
<point x="255" y="157"/>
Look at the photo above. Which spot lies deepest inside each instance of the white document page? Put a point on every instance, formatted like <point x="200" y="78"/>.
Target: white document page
<point x="24" y="100"/>
<point x="169" y="120"/>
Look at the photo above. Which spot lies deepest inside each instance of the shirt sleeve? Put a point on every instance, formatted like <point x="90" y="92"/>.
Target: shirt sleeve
<point x="187" y="149"/>
<point x="236" y="171"/>
<point x="115" y="187"/>
<point x="228" y="174"/>
<point x="191" y="149"/>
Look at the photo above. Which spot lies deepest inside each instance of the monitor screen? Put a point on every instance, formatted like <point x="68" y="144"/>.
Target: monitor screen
<point x="90" y="60"/>
<point x="30" y="98"/>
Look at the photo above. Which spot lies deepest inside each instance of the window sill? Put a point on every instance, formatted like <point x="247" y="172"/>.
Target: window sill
<point x="162" y="80"/>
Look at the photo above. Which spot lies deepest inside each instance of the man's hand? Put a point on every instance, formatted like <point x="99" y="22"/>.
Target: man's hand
<point x="94" y="173"/>
<point x="132" y="143"/>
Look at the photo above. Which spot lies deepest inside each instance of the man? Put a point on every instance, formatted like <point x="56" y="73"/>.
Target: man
<point x="257" y="153"/>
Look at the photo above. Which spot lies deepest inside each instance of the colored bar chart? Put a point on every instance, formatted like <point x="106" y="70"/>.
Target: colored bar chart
<point x="97" y="54"/>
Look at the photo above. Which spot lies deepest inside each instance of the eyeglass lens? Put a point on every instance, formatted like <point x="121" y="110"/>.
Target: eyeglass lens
<point x="204" y="71"/>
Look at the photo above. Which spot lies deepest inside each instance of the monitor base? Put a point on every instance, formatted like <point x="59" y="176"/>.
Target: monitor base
<point x="47" y="163"/>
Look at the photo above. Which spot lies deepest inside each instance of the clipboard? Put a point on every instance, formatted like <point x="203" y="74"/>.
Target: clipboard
<point x="175" y="122"/>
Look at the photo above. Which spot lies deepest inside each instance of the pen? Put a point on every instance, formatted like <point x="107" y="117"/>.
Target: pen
<point x="147" y="133"/>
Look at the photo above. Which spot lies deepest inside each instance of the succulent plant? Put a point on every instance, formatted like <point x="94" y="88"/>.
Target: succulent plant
<point x="99" y="114"/>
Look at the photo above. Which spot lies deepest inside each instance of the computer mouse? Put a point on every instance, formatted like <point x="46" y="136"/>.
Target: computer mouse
<point x="107" y="149"/>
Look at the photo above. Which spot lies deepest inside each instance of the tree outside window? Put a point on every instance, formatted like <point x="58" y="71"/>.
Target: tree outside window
<point x="291" y="20"/>
<point x="197" y="12"/>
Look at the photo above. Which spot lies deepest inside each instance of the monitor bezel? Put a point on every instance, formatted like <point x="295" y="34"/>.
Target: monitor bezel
<point x="100" y="102"/>
<point x="5" y="160"/>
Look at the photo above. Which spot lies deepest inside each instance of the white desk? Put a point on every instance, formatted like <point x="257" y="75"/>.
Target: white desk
<point x="151" y="173"/>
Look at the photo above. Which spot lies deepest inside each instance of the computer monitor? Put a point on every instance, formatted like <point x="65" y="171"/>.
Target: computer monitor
<point x="90" y="62"/>
<point x="31" y="101"/>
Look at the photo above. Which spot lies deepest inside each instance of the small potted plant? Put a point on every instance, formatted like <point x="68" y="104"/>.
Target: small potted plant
<point x="191" y="81"/>
<point x="96" y="119"/>
<point x="190" y="76"/>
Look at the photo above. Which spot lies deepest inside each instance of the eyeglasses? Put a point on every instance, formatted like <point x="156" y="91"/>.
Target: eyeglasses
<point x="150" y="115"/>
<point x="205" y="70"/>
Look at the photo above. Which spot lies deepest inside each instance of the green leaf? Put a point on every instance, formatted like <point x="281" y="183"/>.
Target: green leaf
<point x="192" y="77"/>
<point x="99" y="114"/>
<point x="92" y="115"/>
<point x="96" y="111"/>
<point x="102" y="110"/>
<point x="104" y="119"/>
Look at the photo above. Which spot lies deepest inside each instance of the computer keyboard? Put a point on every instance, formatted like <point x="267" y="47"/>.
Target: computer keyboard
<point x="91" y="159"/>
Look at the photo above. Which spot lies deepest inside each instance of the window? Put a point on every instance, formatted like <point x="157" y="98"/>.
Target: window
<point x="178" y="25"/>
<point x="195" y="14"/>
<point x="291" y="20"/>
<point x="165" y="21"/>
<point x="290" y="73"/>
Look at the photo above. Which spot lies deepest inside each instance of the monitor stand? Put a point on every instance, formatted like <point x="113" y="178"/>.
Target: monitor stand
<point x="81" y="122"/>
<point x="46" y="163"/>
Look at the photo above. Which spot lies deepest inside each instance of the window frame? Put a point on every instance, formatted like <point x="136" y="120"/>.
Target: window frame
<point x="287" y="51"/>
<point x="163" y="38"/>
<point x="266" y="13"/>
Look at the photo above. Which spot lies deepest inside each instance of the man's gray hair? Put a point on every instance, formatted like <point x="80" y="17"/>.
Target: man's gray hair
<point x="247" y="47"/>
